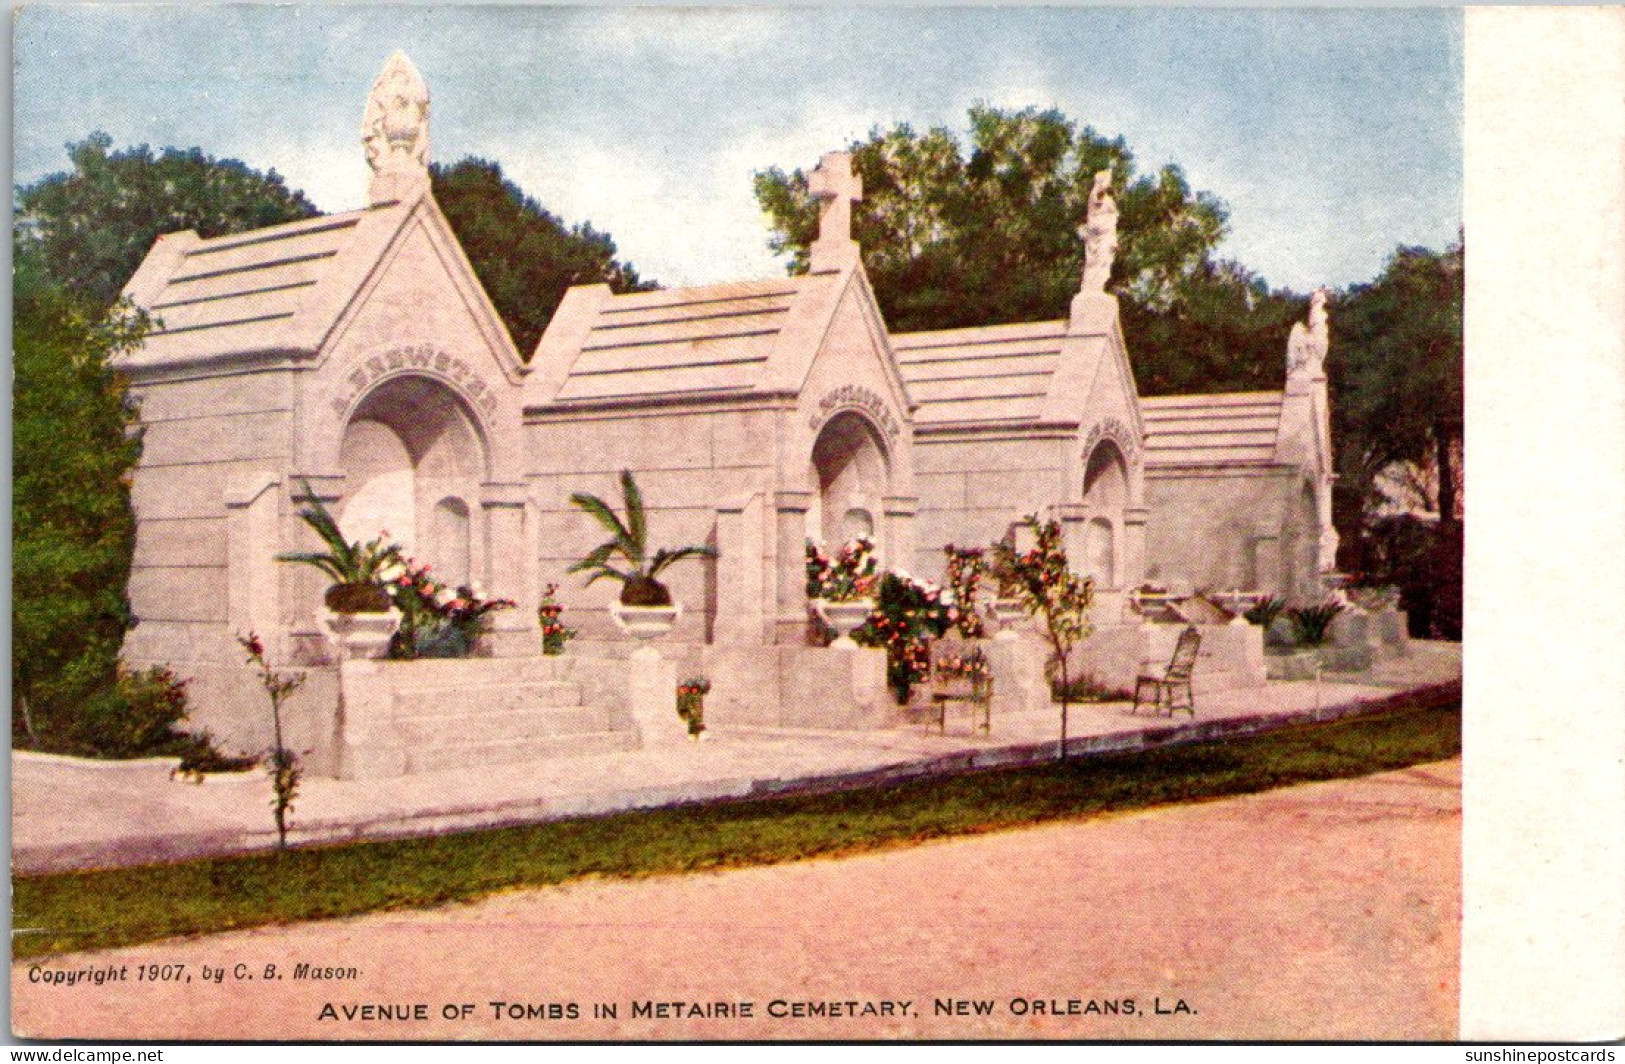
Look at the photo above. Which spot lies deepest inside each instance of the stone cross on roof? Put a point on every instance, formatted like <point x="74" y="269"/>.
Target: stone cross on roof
<point x="395" y="131"/>
<point x="837" y="187"/>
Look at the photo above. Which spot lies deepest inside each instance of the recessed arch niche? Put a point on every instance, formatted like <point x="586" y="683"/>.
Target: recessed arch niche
<point x="850" y="478"/>
<point x="413" y="459"/>
<point x="1105" y="495"/>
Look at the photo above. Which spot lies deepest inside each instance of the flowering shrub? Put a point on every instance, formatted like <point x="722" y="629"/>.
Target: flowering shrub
<point x="282" y="763"/>
<point x="437" y="620"/>
<point x="850" y="575"/>
<point x="691" y="702"/>
<point x="1048" y="589"/>
<point x="908" y="614"/>
<point x="965" y="571"/>
<point x="549" y="614"/>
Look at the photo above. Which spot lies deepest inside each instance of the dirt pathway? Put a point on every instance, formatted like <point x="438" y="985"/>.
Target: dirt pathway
<point x="1323" y="911"/>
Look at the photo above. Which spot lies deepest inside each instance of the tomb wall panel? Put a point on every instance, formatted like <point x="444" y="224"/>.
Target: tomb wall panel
<point x="198" y="541"/>
<point x="985" y="455"/>
<point x="215" y="438"/>
<point x="171" y="593"/>
<point x="940" y="490"/>
<point x="662" y="489"/>
<point x="178" y="492"/>
<point x="1203" y="529"/>
<point x="245" y="393"/>
<point x="610" y="445"/>
<point x="1023" y="489"/>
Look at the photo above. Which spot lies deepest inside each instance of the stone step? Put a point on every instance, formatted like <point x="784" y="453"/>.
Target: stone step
<point x="461" y="672"/>
<point x="511" y="751"/>
<point x="449" y="728"/>
<point x="479" y="700"/>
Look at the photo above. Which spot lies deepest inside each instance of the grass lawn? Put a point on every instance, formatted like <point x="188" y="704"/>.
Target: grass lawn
<point x="86" y="910"/>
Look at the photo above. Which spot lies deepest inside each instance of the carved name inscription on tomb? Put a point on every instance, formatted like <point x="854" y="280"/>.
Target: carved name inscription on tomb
<point x="855" y="397"/>
<point x="1112" y="429"/>
<point x="421" y="358"/>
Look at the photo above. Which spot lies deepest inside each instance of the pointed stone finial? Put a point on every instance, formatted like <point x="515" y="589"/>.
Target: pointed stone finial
<point x="1307" y="345"/>
<point x="1099" y="232"/>
<point x="837" y="187"/>
<point x="395" y="132"/>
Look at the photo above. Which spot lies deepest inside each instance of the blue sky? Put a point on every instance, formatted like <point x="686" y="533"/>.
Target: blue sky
<point x="1332" y="135"/>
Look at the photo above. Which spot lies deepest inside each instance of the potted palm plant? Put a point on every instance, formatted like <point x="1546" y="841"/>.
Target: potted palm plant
<point x="645" y="609"/>
<point x="360" y="614"/>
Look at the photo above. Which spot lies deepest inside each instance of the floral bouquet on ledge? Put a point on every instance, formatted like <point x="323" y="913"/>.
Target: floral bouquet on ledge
<point x="437" y="620"/>
<point x="691" y="703"/>
<point x="850" y="575"/>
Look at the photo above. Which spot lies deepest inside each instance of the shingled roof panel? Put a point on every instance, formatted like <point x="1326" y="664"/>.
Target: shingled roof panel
<point x="1211" y="430"/>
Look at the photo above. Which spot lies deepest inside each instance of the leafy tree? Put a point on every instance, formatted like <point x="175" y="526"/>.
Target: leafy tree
<point x="524" y="256"/>
<point x="95" y="223"/>
<point x="72" y="527"/>
<point x="1397" y="376"/>
<point x="952" y="239"/>
<point x="1398" y="370"/>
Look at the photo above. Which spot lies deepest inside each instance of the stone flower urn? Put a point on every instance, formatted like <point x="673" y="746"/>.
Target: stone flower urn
<point x="645" y="623"/>
<point x="845" y="618"/>
<point x="1007" y="613"/>
<point x="359" y="636"/>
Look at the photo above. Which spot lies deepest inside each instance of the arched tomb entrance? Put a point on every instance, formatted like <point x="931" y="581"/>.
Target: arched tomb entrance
<point x="413" y="461"/>
<point x="851" y="475"/>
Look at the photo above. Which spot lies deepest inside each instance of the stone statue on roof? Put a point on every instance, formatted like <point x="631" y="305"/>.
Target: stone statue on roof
<point x="395" y="130"/>
<point x="1099" y="232"/>
<point x="1306" y="347"/>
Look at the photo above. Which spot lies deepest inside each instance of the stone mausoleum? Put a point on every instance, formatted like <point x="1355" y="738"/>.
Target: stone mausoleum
<point x="357" y="353"/>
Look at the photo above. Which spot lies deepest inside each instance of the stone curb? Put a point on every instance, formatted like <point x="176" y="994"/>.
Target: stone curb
<point x="142" y="850"/>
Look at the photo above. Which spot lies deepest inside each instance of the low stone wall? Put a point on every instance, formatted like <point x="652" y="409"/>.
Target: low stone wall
<point x="227" y="702"/>
<point x="1230" y="656"/>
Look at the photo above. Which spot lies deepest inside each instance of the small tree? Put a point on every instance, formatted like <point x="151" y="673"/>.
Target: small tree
<point x="283" y="764"/>
<point x="1049" y="590"/>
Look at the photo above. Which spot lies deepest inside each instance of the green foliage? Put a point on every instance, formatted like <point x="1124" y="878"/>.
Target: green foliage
<point x="73" y="532"/>
<point x="984" y="233"/>
<point x="89" y="910"/>
<point x="1047" y="588"/>
<point x="550" y="617"/>
<point x="691" y="702"/>
<point x="1397" y="380"/>
<point x="629" y="541"/>
<point x="1265" y="610"/>
<point x="95" y="223"/>
<point x="281" y="763"/>
<point x="907" y="616"/>
<point x="1311" y="623"/>
<point x="524" y="256"/>
<point x="345" y="562"/>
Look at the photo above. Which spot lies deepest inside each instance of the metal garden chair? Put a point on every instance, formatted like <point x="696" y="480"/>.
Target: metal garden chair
<point x="1166" y="690"/>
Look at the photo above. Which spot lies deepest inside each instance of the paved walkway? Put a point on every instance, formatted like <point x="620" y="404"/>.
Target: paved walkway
<point x="1325" y="911"/>
<point x="72" y="814"/>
